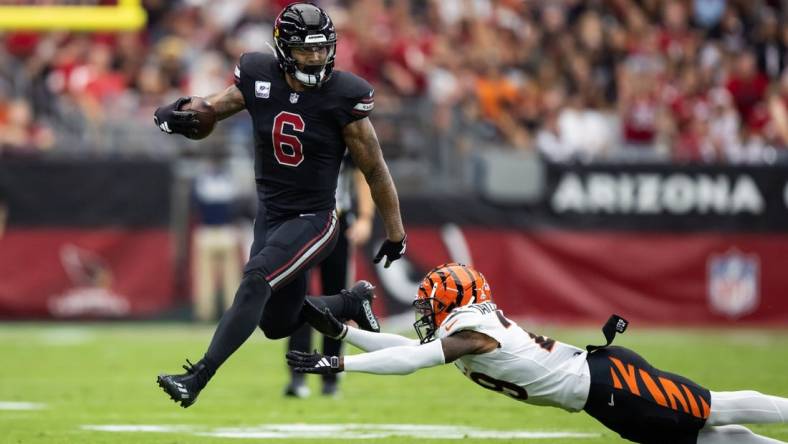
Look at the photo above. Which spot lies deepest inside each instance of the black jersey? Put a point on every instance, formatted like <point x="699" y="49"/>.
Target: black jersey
<point x="298" y="135"/>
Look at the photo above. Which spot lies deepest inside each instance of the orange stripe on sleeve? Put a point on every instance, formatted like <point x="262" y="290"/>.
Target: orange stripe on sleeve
<point x="673" y="393"/>
<point x="705" y="406"/>
<point x="616" y="381"/>
<point x="692" y="402"/>
<point x="652" y="387"/>
<point x="628" y="374"/>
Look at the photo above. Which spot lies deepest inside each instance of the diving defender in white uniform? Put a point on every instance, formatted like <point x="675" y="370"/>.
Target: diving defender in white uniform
<point x="458" y="322"/>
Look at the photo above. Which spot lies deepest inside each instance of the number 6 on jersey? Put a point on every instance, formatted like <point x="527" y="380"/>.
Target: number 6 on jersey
<point x="293" y="155"/>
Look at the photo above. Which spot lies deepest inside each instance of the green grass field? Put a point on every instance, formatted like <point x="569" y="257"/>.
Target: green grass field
<point x="104" y="375"/>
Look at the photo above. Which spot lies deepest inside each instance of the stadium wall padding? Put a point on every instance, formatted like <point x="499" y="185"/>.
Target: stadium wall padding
<point x="657" y="244"/>
<point x="86" y="239"/>
<point x="654" y="278"/>
<point x="654" y="243"/>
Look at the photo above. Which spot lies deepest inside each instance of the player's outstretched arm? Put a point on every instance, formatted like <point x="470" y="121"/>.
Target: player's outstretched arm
<point x="325" y="323"/>
<point x="371" y="341"/>
<point x="362" y="142"/>
<point x="227" y="102"/>
<point x="400" y="360"/>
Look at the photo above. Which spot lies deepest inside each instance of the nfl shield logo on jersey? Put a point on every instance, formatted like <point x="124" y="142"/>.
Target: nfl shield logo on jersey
<point x="293" y="97"/>
<point x="733" y="287"/>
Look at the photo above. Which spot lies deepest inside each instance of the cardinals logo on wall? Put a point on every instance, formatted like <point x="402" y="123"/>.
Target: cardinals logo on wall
<point x="733" y="286"/>
<point x="90" y="294"/>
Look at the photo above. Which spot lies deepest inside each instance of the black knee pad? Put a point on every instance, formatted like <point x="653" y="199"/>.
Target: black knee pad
<point x="274" y="331"/>
<point x="278" y="325"/>
<point x="253" y="285"/>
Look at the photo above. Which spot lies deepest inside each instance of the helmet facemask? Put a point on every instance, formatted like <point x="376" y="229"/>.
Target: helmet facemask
<point x="315" y="75"/>
<point x="426" y="310"/>
<point x="305" y="26"/>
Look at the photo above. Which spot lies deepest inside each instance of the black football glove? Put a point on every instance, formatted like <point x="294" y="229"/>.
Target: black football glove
<point x="392" y="251"/>
<point x="323" y="321"/>
<point x="314" y="362"/>
<point x="171" y="119"/>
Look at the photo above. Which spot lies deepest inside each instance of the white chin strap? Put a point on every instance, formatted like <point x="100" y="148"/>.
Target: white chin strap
<point x="310" y="79"/>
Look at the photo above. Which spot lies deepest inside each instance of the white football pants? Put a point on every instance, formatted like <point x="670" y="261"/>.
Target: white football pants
<point x="728" y="409"/>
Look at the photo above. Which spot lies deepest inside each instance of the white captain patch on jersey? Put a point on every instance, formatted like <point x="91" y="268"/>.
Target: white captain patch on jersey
<point x="262" y="89"/>
<point x="526" y="367"/>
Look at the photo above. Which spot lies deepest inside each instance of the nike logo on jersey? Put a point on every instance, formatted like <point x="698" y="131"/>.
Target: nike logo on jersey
<point x="451" y="324"/>
<point x="612" y="401"/>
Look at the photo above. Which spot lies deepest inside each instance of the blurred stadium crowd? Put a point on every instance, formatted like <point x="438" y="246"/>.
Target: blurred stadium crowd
<point x="672" y="80"/>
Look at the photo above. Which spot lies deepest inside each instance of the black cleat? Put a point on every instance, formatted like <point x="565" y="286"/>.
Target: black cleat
<point x="330" y="388"/>
<point x="361" y="295"/>
<point x="297" y="390"/>
<point x="185" y="387"/>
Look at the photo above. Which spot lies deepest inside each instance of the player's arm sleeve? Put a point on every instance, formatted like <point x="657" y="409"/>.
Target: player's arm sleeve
<point x="357" y="101"/>
<point x="401" y="360"/>
<point x="371" y="341"/>
<point x="243" y="81"/>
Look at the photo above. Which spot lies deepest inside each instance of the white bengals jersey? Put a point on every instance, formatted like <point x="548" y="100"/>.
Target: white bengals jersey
<point x="526" y="367"/>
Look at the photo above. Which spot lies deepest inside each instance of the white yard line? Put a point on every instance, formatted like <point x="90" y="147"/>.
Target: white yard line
<point x="9" y="405"/>
<point x="344" y="431"/>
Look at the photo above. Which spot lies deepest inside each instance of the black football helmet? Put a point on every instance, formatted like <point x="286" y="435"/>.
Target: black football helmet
<point x="304" y="25"/>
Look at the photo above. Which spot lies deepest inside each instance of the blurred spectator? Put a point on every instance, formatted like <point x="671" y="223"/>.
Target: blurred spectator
<point x="769" y="46"/>
<point x="19" y="132"/>
<point x="778" y="112"/>
<point x="640" y="107"/>
<point x="723" y="125"/>
<point x="216" y="245"/>
<point x="748" y="87"/>
<point x="574" y="79"/>
<point x="708" y="13"/>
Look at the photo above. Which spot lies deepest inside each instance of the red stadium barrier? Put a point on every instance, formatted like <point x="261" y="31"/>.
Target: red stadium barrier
<point x="73" y="273"/>
<point x="86" y="239"/>
<point x="693" y="278"/>
<point x="691" y="244"/>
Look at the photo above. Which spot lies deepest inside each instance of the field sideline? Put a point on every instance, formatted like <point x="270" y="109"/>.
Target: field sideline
<point x="85" y="380"/>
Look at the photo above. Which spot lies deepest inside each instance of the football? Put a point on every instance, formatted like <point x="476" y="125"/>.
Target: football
<point x="205" y="114"/>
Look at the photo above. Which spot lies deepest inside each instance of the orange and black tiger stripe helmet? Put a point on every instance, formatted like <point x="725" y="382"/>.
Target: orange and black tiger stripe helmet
<point x="443" y="289"/>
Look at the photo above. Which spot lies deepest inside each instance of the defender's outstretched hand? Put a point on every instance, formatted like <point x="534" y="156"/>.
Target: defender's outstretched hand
<point x="323" y="321"/>
<point x="315" y="362"/>
<point x="391" y="250"/>
<point x="171" y="119"/>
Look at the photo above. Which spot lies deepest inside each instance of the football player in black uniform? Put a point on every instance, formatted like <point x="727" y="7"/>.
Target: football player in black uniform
<point x="304" y="115"/>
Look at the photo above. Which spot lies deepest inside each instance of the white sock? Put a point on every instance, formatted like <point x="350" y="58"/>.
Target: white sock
<point x="746" y="407"/>
<point x="732" y="434"/>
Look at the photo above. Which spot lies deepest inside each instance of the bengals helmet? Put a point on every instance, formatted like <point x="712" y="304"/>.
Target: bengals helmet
<point x="443" y="289"/>
<point x="304" y="25"/>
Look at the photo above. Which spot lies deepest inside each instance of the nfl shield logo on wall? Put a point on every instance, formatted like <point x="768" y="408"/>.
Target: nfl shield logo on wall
<point x="733" y="286"/>
<point x="293" y="97"/>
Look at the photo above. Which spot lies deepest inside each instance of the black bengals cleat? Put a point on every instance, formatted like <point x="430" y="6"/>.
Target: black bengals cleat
<point x="185" y="387"/>
<point x="361" y="295"/>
